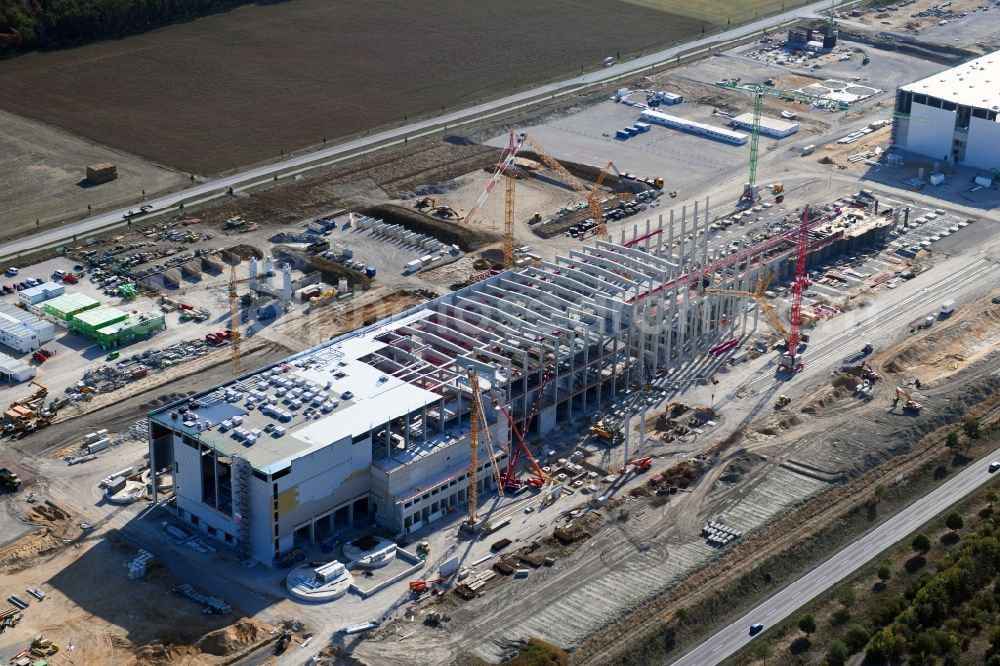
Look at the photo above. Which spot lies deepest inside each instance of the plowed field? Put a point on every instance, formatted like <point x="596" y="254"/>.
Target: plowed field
<point x="241" y="87"/>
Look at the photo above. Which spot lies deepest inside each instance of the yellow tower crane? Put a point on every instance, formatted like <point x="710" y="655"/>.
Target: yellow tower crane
<point x="592" y="194"/>
<point x="474" y="414"/>
<point x="758" y="295"/>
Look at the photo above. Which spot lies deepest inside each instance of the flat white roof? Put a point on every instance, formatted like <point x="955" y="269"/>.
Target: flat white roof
<point x="694" y="124"/>
<point x="770" y="123"/>
<point x="975" y="84"/>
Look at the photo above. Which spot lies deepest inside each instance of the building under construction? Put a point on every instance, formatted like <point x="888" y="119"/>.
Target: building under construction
<point x="373" y="425"/>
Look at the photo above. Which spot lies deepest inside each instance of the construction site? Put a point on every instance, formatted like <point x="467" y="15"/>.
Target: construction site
<point x="552" y="379"/>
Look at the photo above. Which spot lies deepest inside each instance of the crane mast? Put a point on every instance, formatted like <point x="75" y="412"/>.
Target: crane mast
<point x="801" y="282"/>
<point x="750" y="189"/>
<point x="474" y="413"/>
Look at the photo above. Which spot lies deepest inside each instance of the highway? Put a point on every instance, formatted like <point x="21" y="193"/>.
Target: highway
<point x="843" y="564"/>
<point x="219" y="187"/>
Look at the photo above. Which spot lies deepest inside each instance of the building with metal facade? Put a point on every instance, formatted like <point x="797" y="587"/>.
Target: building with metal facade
<point x="23" y="331"/>
<point x="42" y="292"/>
<point x="15" y="370"/>
<point x="373" y="425"/>
<point x="694" y="127"/>
<point x="951" y="117"/>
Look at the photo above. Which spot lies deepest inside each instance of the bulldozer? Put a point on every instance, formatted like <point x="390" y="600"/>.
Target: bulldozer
<point x="602" y="430"/>
<point x="42" y="647"/>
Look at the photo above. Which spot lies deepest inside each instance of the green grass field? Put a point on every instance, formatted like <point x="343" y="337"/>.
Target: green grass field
<point x="720" y="12"/>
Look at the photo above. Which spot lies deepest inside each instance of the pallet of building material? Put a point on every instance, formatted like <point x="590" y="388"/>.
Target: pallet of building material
<point x="464" y="592"/>
<point x="37" y="593"/>
<point x="565" y="536"/>
<point x="503" y="568"/>
<point x="532" y="561"/>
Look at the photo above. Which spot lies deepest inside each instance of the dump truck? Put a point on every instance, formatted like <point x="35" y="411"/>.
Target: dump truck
<point x="9" y="480"/>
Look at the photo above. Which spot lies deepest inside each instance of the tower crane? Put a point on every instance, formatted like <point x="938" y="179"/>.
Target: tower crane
<point x="749" y="195"/>
<point x="474" y="415"/>
<point x="758" y="295"/>
<point x="791" y="360"/>
<point x="503" y="168"/>
<point x="518" y="445"/>
<point x="592" y="194"/>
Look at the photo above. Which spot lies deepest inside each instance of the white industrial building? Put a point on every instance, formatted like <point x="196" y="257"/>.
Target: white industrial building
<point x="771" y="127"/>
<point x="694" y="127"/>
<point x="42" y="292"/>
<point x="951" y="117"/>
<point x="15" y="370"/>
<point x="372" y="426"/>
<point x="23" y="331"/>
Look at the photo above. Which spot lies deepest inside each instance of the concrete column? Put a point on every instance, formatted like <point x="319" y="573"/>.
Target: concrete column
<point x="670" y="235"/>
<point x="659" y="236"/>
<point x="312" y="531"/>
<point x="681" y="250"/>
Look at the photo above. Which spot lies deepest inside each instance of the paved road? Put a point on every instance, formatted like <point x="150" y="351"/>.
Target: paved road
<point x="219" y="186"/>
<point x="847" y="561"/>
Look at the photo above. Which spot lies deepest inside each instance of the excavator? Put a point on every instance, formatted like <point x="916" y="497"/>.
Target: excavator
<point x="910" y="405"/>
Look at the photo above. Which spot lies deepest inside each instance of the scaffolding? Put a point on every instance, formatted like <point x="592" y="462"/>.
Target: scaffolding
<point x="241" y="504"/>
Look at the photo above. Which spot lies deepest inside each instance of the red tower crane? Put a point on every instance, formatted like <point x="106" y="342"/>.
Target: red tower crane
<point x="510" y="479"/>
<point x="790" y="360"/>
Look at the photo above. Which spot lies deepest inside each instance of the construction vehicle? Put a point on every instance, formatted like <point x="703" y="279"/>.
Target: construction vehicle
<point x="426" y="202"/>
<point x="9" y="480"/>
<point x="446" y="212"/>
<point x="783" y="400"/>
<point x="867" y="349"/>
<point x="639" y="465"/>
<point x="910" y="405"/>
<point x="592" y="194"/>
<point x="42" y="647"/>
<point x="284" y="640"/>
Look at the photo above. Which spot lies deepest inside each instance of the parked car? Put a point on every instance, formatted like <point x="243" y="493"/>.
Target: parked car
<point x="12" y="271"/>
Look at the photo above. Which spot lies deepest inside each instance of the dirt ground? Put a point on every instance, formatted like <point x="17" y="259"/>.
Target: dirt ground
<point x="36" y="158"/>
<point x="955" y="363"/>
<point x="120" y="622"/>
<point x="241" y="87"/>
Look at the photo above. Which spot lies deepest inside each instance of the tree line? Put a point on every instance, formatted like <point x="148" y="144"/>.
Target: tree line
<point x="38" y="24"/>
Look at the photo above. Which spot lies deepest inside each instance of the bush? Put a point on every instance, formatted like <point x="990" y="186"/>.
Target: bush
<point x="972" y="428"/>
<point x="855" y="637"/>
<point x="884" y="572"/>
<point x="807" y="624"/>
<point x="921" y="543"/>
<point x="881" y="646"/>
<point x="845" y="595"/>
<point x="952" y="440"/>
<point x="954" y="521"/>
<point x="537" y="652"/>
<point x="837" y="653"/>
<point x="841" y="616"/>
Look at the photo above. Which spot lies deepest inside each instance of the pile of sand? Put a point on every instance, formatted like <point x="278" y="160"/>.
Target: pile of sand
<point x="235" y="638"/>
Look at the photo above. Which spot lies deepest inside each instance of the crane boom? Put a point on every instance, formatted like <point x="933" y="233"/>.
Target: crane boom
<point x="505" y="163"/>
